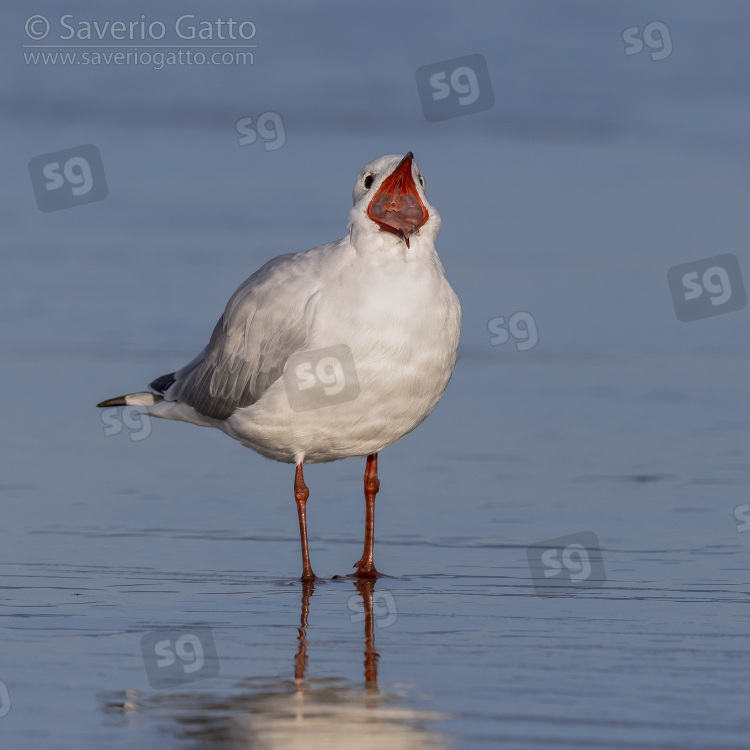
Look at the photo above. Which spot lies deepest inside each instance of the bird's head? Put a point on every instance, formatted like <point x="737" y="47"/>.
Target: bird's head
<point x="389" y="200"/>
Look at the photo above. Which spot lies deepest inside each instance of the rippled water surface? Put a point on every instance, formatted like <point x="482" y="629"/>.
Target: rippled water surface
<point x="148" y="570"/>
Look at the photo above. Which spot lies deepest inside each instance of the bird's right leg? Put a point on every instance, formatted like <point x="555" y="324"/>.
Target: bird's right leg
<point x="301" y="493"/>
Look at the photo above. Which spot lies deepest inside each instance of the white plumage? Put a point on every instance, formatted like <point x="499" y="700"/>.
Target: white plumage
<point x="380" y="292"/>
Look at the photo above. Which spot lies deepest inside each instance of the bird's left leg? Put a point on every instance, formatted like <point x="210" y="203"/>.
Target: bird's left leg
<point x="365" y="565"/>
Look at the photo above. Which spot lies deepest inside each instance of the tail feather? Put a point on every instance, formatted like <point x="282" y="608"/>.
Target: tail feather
<point x="143" y="398"/>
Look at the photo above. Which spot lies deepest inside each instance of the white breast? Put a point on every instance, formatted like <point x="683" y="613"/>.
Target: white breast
<point x="401" y="320"/>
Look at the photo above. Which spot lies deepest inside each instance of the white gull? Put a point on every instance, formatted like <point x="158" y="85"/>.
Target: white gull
<point x="332" y="352"/>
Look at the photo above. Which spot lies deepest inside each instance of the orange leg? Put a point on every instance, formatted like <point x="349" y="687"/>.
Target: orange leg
<point x="365" y="565"/>
<point x="301" y="493"/>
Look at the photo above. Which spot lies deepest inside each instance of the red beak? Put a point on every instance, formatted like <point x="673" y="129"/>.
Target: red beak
<point x="397" y="207"/>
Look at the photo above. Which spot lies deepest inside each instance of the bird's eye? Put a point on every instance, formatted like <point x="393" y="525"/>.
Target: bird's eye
<point x="421" y="180"/>
<point x="368" y="181"/>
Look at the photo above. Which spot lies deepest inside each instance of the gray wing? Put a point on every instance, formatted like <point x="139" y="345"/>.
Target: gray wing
<point x="266" y="320"/>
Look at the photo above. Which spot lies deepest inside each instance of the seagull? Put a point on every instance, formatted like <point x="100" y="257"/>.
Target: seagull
<point x="332" y="352"/>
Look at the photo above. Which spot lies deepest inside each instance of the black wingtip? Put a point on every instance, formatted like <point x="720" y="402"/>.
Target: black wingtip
<point x="118" y="401"/>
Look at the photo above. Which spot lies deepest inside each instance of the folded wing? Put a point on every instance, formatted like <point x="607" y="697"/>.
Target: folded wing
<point x="266" y="320"/>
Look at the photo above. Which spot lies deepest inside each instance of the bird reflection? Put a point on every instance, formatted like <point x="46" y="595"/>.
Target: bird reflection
<point x="300" y="659"/>
<point x="365" y="587"/>
<point x="306" y="712"/>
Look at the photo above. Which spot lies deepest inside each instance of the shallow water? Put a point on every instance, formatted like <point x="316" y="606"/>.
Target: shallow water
<point x="148" y="569"/>
<point x="184" y="532"/>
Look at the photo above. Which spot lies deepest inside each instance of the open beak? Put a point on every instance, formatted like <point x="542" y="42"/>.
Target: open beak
<point x="397" y="207"/>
